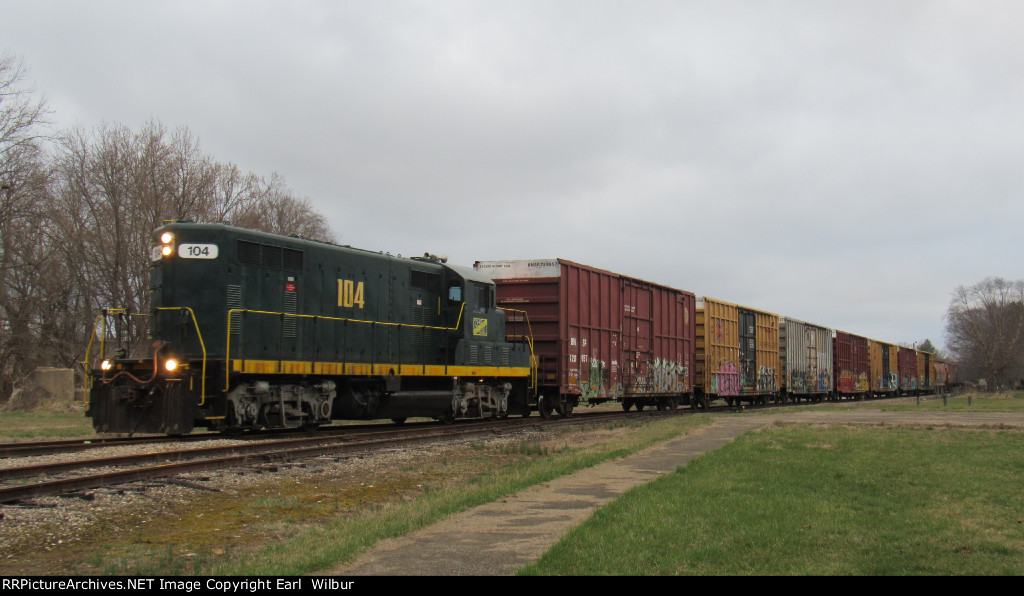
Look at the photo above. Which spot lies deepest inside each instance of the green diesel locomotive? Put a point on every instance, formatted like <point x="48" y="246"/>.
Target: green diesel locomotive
<point x="251" y="330"/>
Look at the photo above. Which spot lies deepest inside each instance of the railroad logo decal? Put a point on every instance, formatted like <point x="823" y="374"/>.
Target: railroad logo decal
<point x="480" y="327"/>
<point x="350" y="294"/>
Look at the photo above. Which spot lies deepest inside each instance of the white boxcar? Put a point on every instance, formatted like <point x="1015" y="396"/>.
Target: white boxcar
<point x="805" y="355"/>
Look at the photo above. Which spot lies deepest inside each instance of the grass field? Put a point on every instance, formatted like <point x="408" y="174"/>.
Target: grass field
<point x="970" y="402"/>
<point x="818" y="501"/>
<point x="45" y="424"/>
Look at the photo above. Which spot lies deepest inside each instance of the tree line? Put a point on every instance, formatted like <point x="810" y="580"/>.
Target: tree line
<point x="985" y="331"/>
<point x="77" y="208"/>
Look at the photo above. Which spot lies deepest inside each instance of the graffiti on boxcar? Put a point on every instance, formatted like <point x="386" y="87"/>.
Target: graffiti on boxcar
<point x="726" y="381"/>
<point x="765" y="379"/>
<point x="669" y="376"/>
<point x="887" y="381"/>
<point x="846" y="382"/>
<point x="595" y="383"/>
<point x="824" y="381"/>
<point x="812" y="380"/>
<point x="797" y="381"/>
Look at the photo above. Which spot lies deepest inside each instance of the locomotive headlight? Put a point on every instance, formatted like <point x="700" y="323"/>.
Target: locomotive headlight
<point x="106" y="365"/>
<point x="171" y="365"/>
<point x="167" y="237"/>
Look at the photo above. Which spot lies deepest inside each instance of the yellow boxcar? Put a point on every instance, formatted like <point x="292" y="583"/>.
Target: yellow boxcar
<point x="883" y="367"/>
<point x="737" y="353"/>
<point x="926" y="371"/>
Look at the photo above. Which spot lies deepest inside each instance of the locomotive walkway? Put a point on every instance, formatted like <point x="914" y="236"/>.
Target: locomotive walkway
<point x="500" y="537"/>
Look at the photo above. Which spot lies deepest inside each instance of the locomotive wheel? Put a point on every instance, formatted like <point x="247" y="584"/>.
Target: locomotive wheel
<point x="544" y="407"/>
<point x="399" y="420"/>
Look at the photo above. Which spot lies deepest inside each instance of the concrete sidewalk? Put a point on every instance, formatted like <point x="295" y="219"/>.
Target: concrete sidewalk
<point x="500" y="537"/>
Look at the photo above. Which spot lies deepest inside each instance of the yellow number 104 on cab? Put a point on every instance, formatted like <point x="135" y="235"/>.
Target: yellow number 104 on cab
<point x="350" y="294"/>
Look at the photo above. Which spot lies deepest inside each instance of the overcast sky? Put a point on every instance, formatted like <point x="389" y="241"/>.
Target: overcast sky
<point x="847" y="163"/>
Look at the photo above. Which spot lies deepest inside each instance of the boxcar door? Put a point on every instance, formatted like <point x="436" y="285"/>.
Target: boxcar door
<point x="886" y="369"/>
<point x="748" y="351"/>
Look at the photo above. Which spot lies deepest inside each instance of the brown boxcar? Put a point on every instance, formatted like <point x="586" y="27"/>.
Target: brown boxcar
<point x="805" y="360"/>
<point x="599" y="335"/>
<point x="852" y="372"/>
<point x="945" y="376"/>
<point x="908" y="371"/>
<point x="737" y="353"/>
<point x="883" y="361"/>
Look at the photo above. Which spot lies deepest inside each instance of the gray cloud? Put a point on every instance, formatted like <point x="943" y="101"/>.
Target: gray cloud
<point x="845" y="163"/>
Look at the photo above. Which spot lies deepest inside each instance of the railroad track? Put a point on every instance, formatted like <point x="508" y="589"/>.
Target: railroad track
<point x="32" y="448"/>
<point x="85" y="474"/>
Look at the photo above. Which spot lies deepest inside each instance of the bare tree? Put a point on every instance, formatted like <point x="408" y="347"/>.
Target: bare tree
<point x="114" y="186"/>
<point x="278" y="211"/>
<point x="985" y="329"/>
<point x="22" y="119"/>
<point x="23" y="178"/>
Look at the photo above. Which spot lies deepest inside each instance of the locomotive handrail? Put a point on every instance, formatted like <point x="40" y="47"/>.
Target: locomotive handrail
<point x="102" y="318"/>
<point x="529" y="343"/>
<point x="227" y="344"/>
<point x="202" y="344"/>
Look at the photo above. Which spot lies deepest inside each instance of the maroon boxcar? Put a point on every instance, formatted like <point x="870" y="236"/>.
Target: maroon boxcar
<point x="852" y="376"/>
<point x="908" y="371"/>
<point x="945" y="376"/>
<point x="600" y="336"/>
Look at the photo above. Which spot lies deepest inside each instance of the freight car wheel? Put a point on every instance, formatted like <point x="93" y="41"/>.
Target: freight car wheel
<point x="565" y="406"/>
<point x="544" y="407"/>
<point x="626" y="405"/>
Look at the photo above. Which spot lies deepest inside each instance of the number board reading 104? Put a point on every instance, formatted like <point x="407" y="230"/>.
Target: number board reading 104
<point x="197" y="251"/>
<point x="351" y="294"/>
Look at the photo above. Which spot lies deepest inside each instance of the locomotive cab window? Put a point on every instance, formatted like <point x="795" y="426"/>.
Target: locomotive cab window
<point x="481" y="294"/>
<point x="455" y="293"/>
